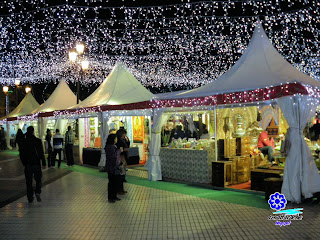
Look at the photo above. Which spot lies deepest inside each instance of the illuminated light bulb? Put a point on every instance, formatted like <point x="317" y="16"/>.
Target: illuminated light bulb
<point x="73" y="56"/>
<point x="5" y="89"/>
<point x="17" y="82"/>
<point x="84" y="65"/>
<point x="27" y="89"/>
<point x="80" y="48"/>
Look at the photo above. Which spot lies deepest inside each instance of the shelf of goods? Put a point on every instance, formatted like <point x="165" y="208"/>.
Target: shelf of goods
<point x="241" y="166"/>
<point x="187" y="164"/>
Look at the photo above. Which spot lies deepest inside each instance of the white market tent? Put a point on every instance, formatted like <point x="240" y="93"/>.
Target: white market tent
<point x="120" y="87"/>
<point x="25" y="107"/>
<point x="262" y="67"/>
<point x="61" y="98"/>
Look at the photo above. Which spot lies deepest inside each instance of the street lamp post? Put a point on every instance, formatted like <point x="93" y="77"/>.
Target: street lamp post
<point x="17" y="83"/>
<point x="5" y="89"/>
<point x="76" y="56"/>
<point x="7" y="92"/>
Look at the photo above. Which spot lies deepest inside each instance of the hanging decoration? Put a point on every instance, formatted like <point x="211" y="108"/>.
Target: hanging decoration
<point x="185" y="43"/>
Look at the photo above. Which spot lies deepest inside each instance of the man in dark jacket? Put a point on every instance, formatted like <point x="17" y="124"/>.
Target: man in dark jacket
<point x="31" y="155"/>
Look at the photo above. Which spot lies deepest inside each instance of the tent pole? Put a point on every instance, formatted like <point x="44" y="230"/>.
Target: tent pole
<point x="215" y="132"/>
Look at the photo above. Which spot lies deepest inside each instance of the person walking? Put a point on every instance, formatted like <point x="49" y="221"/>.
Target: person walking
<point x="19" y="137"/>
<point x="69" y="141"/>
<point x="31" y="156"/>
<point x="3" y="141"/>
<point x="49" y="147"/>
<point x="112" y="167"/>
<point x="57" y="148"/>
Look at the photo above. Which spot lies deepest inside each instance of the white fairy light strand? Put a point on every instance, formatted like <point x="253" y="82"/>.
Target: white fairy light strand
<point x="188" y="43"/>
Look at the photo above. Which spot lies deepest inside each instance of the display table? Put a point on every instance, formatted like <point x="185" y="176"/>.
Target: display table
<point x="259" y="175"/>
<point x="187" y="164"/>
<point x="221" y="173"/>
<point x="91" y="156"/>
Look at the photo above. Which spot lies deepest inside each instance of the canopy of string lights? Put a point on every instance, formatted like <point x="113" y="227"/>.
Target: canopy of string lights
<point x="179" y="43"/>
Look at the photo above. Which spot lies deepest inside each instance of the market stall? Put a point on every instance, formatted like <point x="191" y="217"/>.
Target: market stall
<point x="188" y="146"/>
<point x="10" y="122"/>
<point x="120" y="87"/>
<point x="262" y="77"/>
<point x="61" y="98"/>
<point x="137" y="128"/>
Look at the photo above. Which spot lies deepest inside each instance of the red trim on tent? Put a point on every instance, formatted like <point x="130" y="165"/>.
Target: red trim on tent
<point x="249" y="96"/>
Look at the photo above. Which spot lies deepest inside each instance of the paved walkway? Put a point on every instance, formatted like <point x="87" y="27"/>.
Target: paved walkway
<point x="76" y="207"/>
<point x="12" y="180"/>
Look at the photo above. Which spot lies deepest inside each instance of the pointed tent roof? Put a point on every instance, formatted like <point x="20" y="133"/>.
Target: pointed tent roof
<point x="61" y="98"/>
<point x="260" y="66"/>
<point x="25" y="107"/>
<point x="120" y="87"/>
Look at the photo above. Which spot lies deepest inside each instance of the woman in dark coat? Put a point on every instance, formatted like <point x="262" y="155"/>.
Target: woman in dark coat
<point x="113" y="167"/>
<point x="49" y="146"/>
<point x="19" y="137"/>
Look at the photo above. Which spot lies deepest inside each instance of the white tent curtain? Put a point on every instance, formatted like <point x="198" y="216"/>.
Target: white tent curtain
<point x="8" y="135"/>
<point x="103" y="118"/>
<point x="21" y="124"/>
<point x="301" y="175"/>
<point x="42" y="124"/>
<point x="154" y="164"/>
<point x="61" y="124"/>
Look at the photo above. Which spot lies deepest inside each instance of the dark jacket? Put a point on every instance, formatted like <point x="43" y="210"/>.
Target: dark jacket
<point x="31" y="151"/>
<point x="178" y="134"/>
<point x="48" y="139"/>
<point x="19" y="138"/>
<point x="112" y="158"/>
<point x="124" y="144"/>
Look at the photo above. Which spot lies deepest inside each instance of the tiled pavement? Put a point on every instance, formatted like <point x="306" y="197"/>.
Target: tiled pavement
<point x="12" y="180"/>
<point x="76" y="207"/>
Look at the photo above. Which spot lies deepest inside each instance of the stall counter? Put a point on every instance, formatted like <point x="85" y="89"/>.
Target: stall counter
<point x="91" y="156"/>
<point x="187" y="164"/>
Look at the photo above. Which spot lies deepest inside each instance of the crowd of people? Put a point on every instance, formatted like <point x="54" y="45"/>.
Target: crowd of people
<point x="32" y="156"/>
<point x="116" y="149"/>
<point x="173" y="131"/>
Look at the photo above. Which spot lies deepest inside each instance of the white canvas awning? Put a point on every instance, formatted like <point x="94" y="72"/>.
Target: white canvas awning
<point x="120" y="87"/>
<point x="25" y="107"/>
<point x="260" y="66"/>
<point x="61" y="98"/>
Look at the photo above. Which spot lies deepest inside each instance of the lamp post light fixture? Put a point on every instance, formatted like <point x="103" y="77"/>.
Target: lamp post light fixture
<point x="27" y="89"/>
<point x="17" y="82"/>
<point x="84" y="65"/>
<point x="76" y="56"/>
<point x="5" y="89"/>
<point x="73" y="56"/>
<point x="80" y="48"/>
